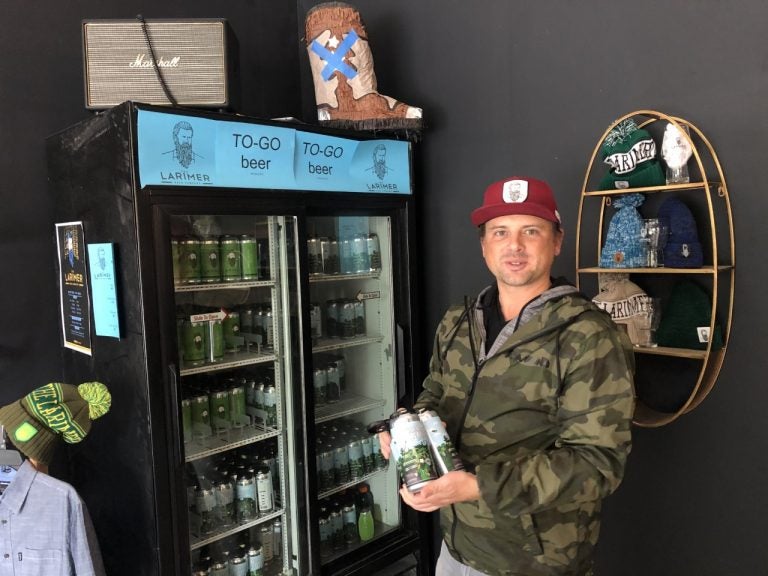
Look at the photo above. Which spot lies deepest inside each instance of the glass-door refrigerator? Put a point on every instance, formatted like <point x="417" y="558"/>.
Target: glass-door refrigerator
<point x="264" y="286"/>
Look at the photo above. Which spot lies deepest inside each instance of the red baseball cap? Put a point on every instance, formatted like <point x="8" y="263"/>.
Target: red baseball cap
<point x="517" y="195"/>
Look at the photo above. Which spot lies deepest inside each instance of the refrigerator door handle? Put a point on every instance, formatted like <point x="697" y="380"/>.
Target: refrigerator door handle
<point x="177" y="444"/>
<point x="400" y="354"/>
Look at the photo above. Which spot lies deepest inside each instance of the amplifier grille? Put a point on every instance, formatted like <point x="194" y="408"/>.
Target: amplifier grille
<point x="192" y="58"/>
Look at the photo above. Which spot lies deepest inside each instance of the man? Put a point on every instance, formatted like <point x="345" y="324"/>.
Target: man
<point x="534" y="384"/>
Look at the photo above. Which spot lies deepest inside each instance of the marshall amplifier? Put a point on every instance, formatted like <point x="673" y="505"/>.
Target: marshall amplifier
<point x="132" y="59"/>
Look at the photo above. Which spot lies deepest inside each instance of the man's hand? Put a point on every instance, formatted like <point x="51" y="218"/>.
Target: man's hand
<point x="384" y="441"/>
<point x="456" y="486"/>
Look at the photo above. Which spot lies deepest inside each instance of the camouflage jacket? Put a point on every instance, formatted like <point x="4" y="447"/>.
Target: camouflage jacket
<point x="543" y="421"/>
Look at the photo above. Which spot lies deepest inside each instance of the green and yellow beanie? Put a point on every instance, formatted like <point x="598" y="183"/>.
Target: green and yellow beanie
<point x="55" y="410"/>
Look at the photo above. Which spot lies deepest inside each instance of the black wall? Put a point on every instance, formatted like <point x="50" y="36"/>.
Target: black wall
<point x="507" y="87"/>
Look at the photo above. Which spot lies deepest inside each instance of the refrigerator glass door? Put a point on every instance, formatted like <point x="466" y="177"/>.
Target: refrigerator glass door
<point x="235" y="286"/>
<point x="353" y="378"/>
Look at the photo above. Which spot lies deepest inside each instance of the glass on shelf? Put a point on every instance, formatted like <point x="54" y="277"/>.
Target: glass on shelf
<point x="654" y="234"/>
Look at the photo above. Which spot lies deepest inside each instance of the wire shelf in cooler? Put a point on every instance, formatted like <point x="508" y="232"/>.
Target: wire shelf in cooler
<point x="199" y="541"/>
<point x="349" y="404"/>
<point x="349" y="484"/>
<point x="225" y="441"/>
<point x="230" y="361"/>
<point x="328" y="344"/>
<point x="222" y="286"/>
<point x="379" y="529"/>
<point x="314" y="278"/>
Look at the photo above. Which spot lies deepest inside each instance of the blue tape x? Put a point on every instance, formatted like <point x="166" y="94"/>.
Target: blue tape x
<point x="335" y="60"/>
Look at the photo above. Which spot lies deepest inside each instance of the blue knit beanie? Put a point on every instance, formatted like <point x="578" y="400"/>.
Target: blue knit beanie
<point x="683" y="249"/>
<point x="623" y="245"/>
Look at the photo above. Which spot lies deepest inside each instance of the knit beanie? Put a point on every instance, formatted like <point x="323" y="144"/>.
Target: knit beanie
<point x="56" y="410"/>
<point x="683" y="249"/>
<point x="631" y="154"/>
<point x="623" y="244"/>
<point x="686" y="318"/>
<point x="625" y="302"/>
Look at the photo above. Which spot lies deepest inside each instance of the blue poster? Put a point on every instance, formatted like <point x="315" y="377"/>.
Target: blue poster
<point x="381" y="166"/>
<point x="323" y="162"/>
<point x="176" y="150"/>
<point x="254" y="156"/>
<point x="101" y="259"/>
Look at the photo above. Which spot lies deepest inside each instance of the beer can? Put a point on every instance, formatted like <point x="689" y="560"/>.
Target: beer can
<point x="220" y="409"/>
<point x="255" y="561"/>
<point x="245" y="494"/>
<point x="175" y="253"/>
<point x="238" y="566"/>
<point x="341" y="365"/>
<point x="355" y="455"/>
<point x="411" y="450"/>
<point x="231" y="332"/>
<point x="186" y="418"/>
<point x="231" y="259"/>
<point x="189" y="260"/>
<point x="337" y="528"/>
<point x="193" y="342"/>
<point x="216" y="343"/>
<point x="270" y="405"/>
<point x="374" y="252"/>
<point x="237" y="412"/>
<point x="345" y="256"/>
<point x="225" y="501"/>
<point x="359" y="317"/>
<point x="314" y="256"/>
<point x="333" y="386"/>
<point x="258" y="324"/>
<point x="269" y="329"/>
<point x="267" y="542"/>
<point x="444" y="453"/>
<point x="329" y="248"/>
<point x="366" y="442"/>
<point x="332" y="314"/>
<point x="205" y="505"/>
<point x="264" y="491"/>
<point x="360" y="259"/>
<point x="246" y="320"/>
<point x="249" y="256"/>
<point x="220" y="567"/>
<point x="264" y="256"/>
<point x="320" y="385"/>
<point x="346" y="324"/>
<point x="326" y="471"/>
<point x="277" y="537"/>
<point x="210" y="267"/>
<point x="380" y="463"/>
<point x="201" y="415"/>
<point x="315" y="323"/>
<point x="341" y="465"/>
<point x="349" y="520"/>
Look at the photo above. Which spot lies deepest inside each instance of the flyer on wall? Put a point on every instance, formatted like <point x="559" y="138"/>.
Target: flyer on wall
<point x="75" y="303"/>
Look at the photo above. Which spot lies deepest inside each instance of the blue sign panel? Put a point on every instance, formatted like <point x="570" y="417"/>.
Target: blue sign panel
<point x="323" y="162"/>
<point x="177" y="150"/>
<point x="254" y="155"/>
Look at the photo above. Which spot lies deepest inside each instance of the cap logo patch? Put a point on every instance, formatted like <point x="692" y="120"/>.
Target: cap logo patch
<point x="515" y="191"/>
<point x="24" y="433"/>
